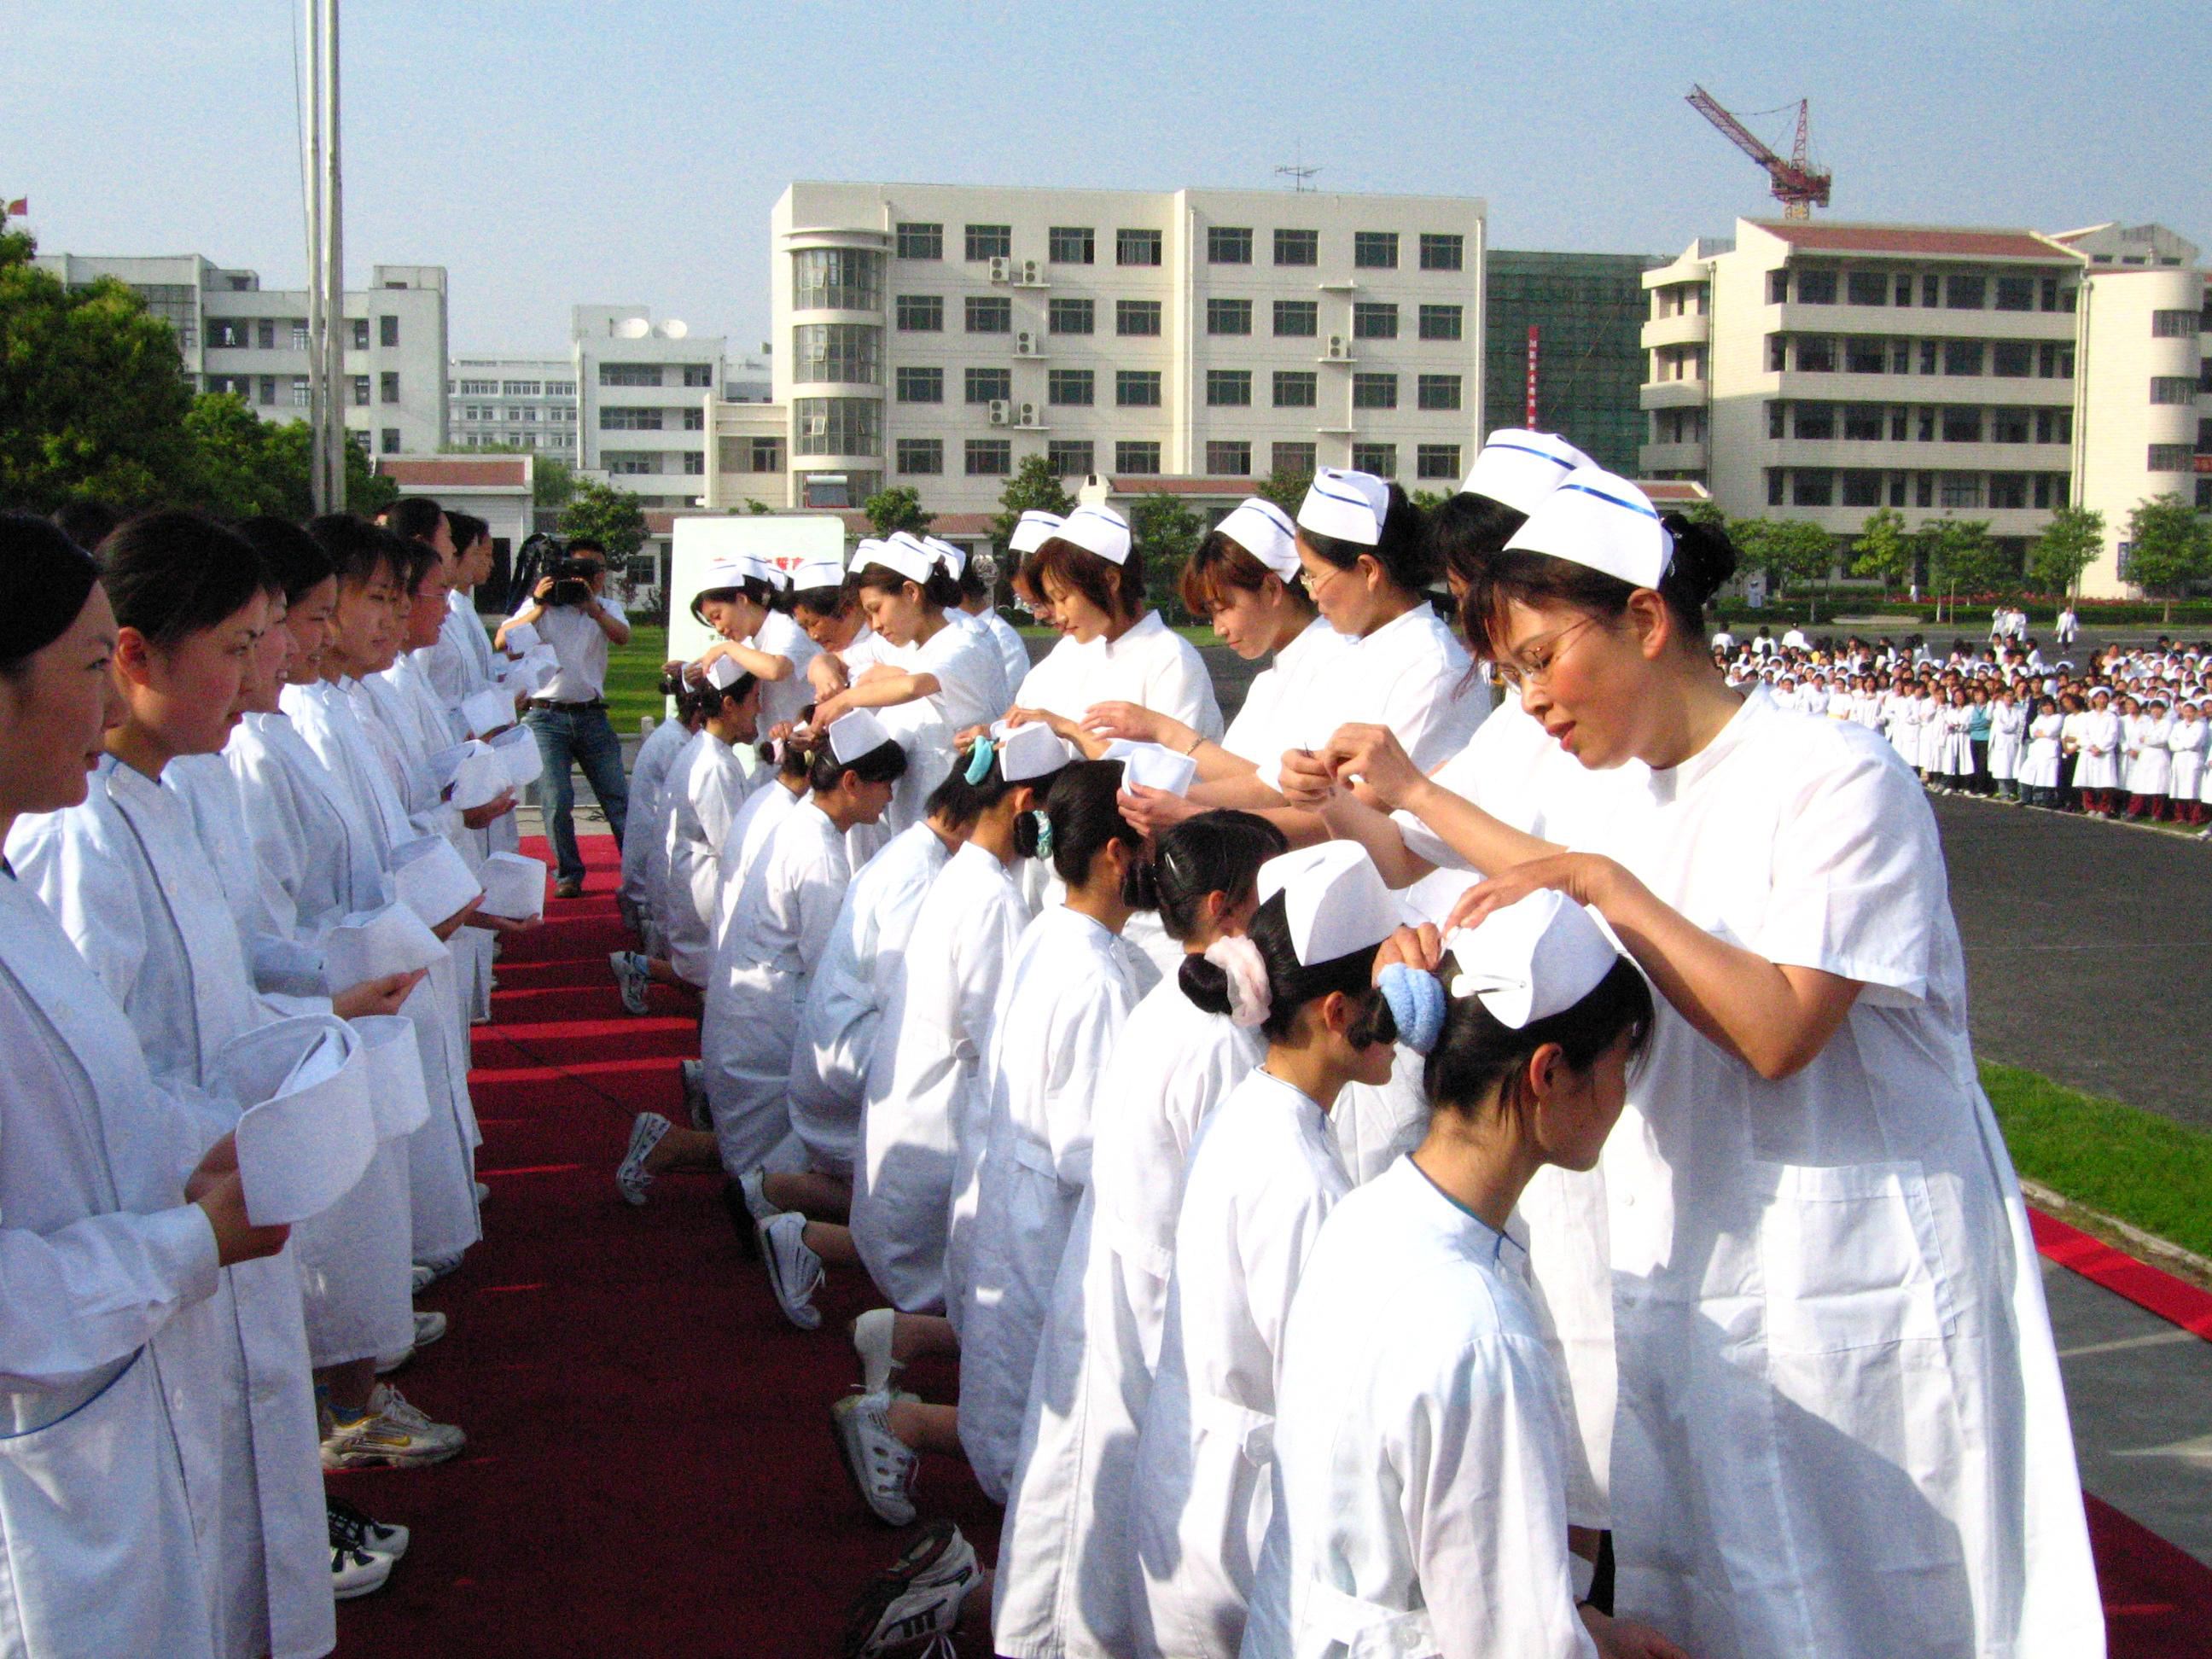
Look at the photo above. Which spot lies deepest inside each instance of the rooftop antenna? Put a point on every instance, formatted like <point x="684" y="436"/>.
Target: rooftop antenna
<point x="1300" y="175"/>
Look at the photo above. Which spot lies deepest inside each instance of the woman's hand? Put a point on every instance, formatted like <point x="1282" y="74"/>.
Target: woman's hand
<point x="1418" y="947"/>
<point x="460" y="918"/>
<point x="215" y="1187"/>
<point x="1149" y="811"/>
<point x="1623" y="1639"/>
<point x="1131" y="722"/>
<point x="492" y="924"/>
<point x="1585" y="878"/>
<point x="1306" y="778"/>
<point x="475" y="818"/>
<point x="829" y="709"/>
<point x="376" y="996"/>
<point x="1373" y="756"/>
<point x="825" y="672"/>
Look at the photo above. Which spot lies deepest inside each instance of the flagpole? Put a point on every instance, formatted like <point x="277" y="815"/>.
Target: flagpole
<point x="320" y="389"/>
<point x="332" y="252"/>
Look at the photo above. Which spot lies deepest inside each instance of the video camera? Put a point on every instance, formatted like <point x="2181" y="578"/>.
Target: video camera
<point x="572" y="581"/>
<point x="543" y="556"/>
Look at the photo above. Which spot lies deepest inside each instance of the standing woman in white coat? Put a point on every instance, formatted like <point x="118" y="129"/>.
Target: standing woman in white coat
<point x="1830" y="1329"/>
<point x="1262" y="1177"/>
<point x="124" y="874"/>
<point x="978" y="574"/>
<point x="644" y="825"/>
<point x="738" y="601"/>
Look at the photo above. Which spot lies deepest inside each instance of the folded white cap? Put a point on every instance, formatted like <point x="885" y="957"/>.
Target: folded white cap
<point x="1349" y="507"/>
<point x="1264" y="530"/>
<point x="778" y="572"/>
<point x="724" y="672"/>
<point x="1033" y="530"/>
<point x="817" y="573"/>
<point x="1520" y="468"/>
<point x="517" y="753"/>
<point x="1537" y="956"/>
<point x="431" y="879"/>
<point x="909" y="558"/>
<point x="374" y="943"/>
<point x="733" y="572"/>
<point x="853" y="735"/>
<point x="483" y="775"/>
<point x="487" y="711"/>
<point x="1097" y="530"/>
<point x="1152" y="766"/>
<point x="1333" y="898"/>
<point x="513" y="886"/>
<point x="1602" y="522"/>
<point x="949" y="556"/>
<point x="1026" y="752"/>
<point x="521" y="636"/>
<point x="397" y="1097"/>
<point x="309" y="1130"/>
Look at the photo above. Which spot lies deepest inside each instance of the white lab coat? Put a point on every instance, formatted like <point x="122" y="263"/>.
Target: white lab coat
<point x="750" y="832"/>
<point x="779" y="928"/>
<point x="1271" y="720"/>
<point x="1013" y="653"/>
<point x="1833" y="1343"/>
<point x="1421" y="1435"/>
<point x="2150" y="764"/>
<point x="1056" y="682"/>
<point x="706" y="788"/>
<point x="1154" y="667"/>
<point x="965" y="664"/>
<point x="1410" y="674"/>
<point x="1066" y="1550"/>
<point x="920" y="1126"/>
<point x="2185" y="741"/>
<point x="1071" y="984"/>
<point x="100" y="1256"/>
<point x="644" y="854"/>
<point x="1263" y="1176"/>
<point x="2008" y="723"/>
<point x="999" y="683"/>
<point x="124" y="876"/>
<point x="2039" y="769"/>
<point x="780" y="701"/>
<point x="845" y="998"/>
<point x="2097" y="765"/>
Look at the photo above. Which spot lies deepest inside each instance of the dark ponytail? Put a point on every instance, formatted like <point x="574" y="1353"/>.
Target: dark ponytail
<point x="1084" y="812"/>
<point x="884" y="763"/>
<point x="960" y="803"/>
<point x="1478" y="1052"/>
<point x="1216" y="852"/>
<point x="1403" y="552"/>
<point x="1291" y="987"/>
<point x="173" y="574"/>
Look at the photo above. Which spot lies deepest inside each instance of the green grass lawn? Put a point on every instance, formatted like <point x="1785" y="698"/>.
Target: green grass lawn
<point x="2145" y="1170"/>
<point x="633" y="679"/>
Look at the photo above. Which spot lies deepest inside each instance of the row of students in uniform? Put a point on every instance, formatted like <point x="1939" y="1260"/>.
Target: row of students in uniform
<point x="216" y="739"/>
<point x="1794" y="1300"/>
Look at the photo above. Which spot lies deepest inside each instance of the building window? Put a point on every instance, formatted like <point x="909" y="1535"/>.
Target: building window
<point x="1867" y="288"/>
<point x="1816" y="354"/>
<point x="2016" y="294"/>
<point x="845" y="354"/>
<point x="990" y="316"/>
<point x="1816" y="287"/>
<point x="1778" y="288"/>
<point x="1442" y="251"/>
<point x="1437" y="392"/>
<point x="1931" y="291"/>
<point x="2164" y="389"/>
<point x="390" y="445"/>
<point x="1136" y="248"/>
<point x="387" y="331"/>
<point x="2173" y="324"/>
<point x="767" y="454"/>
<point x="1926" y="427"/>
<point x="1227" y="459"/>
<point x="1374" y="391"/>
<point x="1075" y="387"/>
<point x="918" y="240"/>
<point x="299" y="394"/>
<point x="2054" y="426"/>
<point x="1812" y="486"/>
<point x="268" y="389"/>
<point x="990" y="242"/>
<point x="1070" y="245"/>
<point x="360" y="333"/>
<point x="1137" y="317"/>
<point x="1374" y="320"/>
<point x="1959" y="489"/>
<point x="1070" y="316"/>
<point x="1904" y="298"/>
<point x="1962" y="357"/>
<point x="479" y="388"/>
<point x="1436" y="461"/>
<point x="1814" y="421"/>
<point x="1297" y="319"/>
<point x="388" y="386"/>
<point x="1071" y="458"/>
<point x="699" y="376"/>
<point x="1864" y="353"/>
<point x="1962" y="426"/>
<point x="1777" y="484"/>
<point x="2172" y="458"/>
<point x="921" y="385"/>
<point x="518" y="388"/>
<point x="1963" y="292"/>
<point x="924" y="457"/>
<point x="695" y="461"/>
<point x="986" y="386"/>
<point x="1381" y="459"/>
<point x="1228" y="245"/>
<point x="264" y="333"/>
<point x="1374" y="250"/>
<point x="630" y="373"/>
<point x="1862" y="422"/>
<point x="2009" y="426"/>
<point x="919" y="314"/>
<point x="227" y="334"/>
<point x="1440" y="322"/>
<point x="2013" y="360"/>
<point x="1297" y="247"/>
<point x="360" y="391"/>
<point x="990" y="458"/>
<point x="1228" y="316"/>
<point x="838" y="426"/>
<point x="1137" y="388"/>
<point x="1292" y="460"/>
<point x="1228" y="388"/>
<point x="695" y="420"/>
<point x="1296" y="388"/>
<point x="1861" y="489"/>
<point x="1930" y="353"/>
<point x="1142" y="457"/>
<point x="837" y="279"/>
<point x="300" y="339"/>
<point x="629" y="462"/>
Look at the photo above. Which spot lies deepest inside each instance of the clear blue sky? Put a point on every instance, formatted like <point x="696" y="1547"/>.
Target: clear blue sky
<point x="552" y="151"/>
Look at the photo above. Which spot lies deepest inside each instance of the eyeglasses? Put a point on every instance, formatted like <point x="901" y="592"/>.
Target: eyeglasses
<point x="1535" y="665"/>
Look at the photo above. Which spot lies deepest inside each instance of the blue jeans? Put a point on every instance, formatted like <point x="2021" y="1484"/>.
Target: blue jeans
<point x="584" y="736"/>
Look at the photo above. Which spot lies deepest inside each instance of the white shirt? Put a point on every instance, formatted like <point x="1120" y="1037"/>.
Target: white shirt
<point x="1270" y="721"/>
<point x="581" y="643"/>
<point x="1410" y="674"/>
<point x="1154" y="667"/>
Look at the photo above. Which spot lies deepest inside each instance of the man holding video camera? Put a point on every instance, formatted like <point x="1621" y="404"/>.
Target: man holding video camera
<point x="569" y="716"/>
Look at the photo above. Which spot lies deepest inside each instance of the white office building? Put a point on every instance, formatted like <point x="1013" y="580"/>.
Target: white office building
<point x="1820" y="372"/>
<point x="934" y="336"/>
<point x="526" y="403"/>
<point x="236" y="336"/>
<point x="645" y="396"/>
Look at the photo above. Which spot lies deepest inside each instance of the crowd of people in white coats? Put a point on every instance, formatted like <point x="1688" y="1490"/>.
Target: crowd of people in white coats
<point x="259" y="857"/>
<point x="1398" y="1175"/>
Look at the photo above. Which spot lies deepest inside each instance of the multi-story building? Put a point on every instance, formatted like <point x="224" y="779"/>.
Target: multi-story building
<point x="935" y="335"/>
<point x="644" y="396"/>
<point x="1586" y="312"/>
<point x="515" y="403"/>
<point x="236" y="336"/>
<point x="1820" y="372"/>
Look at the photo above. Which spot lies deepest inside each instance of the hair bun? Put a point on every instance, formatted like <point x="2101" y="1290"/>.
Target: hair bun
<point x="1705" y="558"/>
<point x="1206" y="983"/>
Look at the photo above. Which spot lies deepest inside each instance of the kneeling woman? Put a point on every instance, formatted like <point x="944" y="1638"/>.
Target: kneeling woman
<point x="1423" y="1430"/>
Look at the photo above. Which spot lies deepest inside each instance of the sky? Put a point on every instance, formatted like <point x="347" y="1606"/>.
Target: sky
<point x="554" y="152"/>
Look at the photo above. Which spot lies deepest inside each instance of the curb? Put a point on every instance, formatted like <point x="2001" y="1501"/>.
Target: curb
<point x="2150" y="1244"/>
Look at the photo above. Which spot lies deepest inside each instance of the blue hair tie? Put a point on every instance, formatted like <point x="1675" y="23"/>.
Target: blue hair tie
<point x="979" y="760"/>
<point x="1043" y="835"/>
<point x="1417" y="1003"/>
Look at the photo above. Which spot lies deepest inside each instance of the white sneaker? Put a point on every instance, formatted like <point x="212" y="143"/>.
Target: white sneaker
<point x="881" y="1464"/>
<point x="425" y="1276"/>
<point x="357" y="1572"/>
<point x="631" y="976"/>
<point x="915" y="1599"/>
<point x="872" y="1340"/>
<point x="393" y="1434"/>
<point x="694" y="1074"/>
<point x="631" y="1176"/>
<point x="484" y="1194"/>
<point x="355" y="1530"/>
<point x="438" y="1266"/>
<point x="795" y="1272"/>
<point x="753" y="1183"/>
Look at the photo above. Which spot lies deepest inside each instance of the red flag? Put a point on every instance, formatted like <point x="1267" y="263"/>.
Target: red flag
<point x="19" y="206"/>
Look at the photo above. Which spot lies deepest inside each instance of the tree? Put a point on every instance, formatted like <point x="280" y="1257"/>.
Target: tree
<point x="552" y="482"/>
<point x="2068" y="546"/>
<point x="1286" y="488"/>
<point x="2169" y="548"/>
<point x="1883" y="548"/>
<point x="1963" y="557"/>
<point x="1427" y="500"/>
<point x="613" y="516"/>
<point x="1787" y="549"/>
<point x="1034" y="488"/>
<point x="896" y="508"/>
<point x="1167" y="533"/>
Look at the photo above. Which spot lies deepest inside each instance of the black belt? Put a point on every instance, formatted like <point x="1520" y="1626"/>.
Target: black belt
<point x="545" y="703"/>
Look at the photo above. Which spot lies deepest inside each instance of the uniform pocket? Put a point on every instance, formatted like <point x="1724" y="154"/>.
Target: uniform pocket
<point x="1851" y="1259"/>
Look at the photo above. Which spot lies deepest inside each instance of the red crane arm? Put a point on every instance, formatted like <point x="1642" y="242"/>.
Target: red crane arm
<point x="1738" y="134"/>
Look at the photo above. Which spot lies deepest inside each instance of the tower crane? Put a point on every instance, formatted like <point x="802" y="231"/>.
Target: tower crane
<point x="1797" y="185"/>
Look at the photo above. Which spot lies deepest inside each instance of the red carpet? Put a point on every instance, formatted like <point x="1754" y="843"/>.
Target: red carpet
<point x="650" y="1470"/>
<point x="2174" y="1300"/>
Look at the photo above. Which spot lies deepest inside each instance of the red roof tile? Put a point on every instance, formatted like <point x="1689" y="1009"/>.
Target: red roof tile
<point x="493" y="471"/>
<point x="1918" y="240"/>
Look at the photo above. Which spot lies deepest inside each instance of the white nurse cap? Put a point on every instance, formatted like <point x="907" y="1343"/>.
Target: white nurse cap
<point x="1264" y="530"/>
<point x="1033" y="530"/>
<point x="722" y="673"/>
<point x="1536" y="957"/>
<point x="1031" y="751"/>
<point x="1602" y="522"/>
<point x="1348" y="507"/>
<point x="817" y="573"/>
<point x="1520" y="468"/>
<point x="733" y="572"/>
<point x="909" y="558"/>
<point x="949" y="556"/>
<point x="1097" y="530"/>
<point x="1334" y="899"/>
<point x="853" y="735"/>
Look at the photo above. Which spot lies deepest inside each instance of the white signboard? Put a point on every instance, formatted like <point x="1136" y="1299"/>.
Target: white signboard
<point x="786" y="540"/>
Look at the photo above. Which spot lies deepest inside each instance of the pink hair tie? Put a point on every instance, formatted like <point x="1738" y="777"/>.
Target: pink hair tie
<point x="1250" y="996"/>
